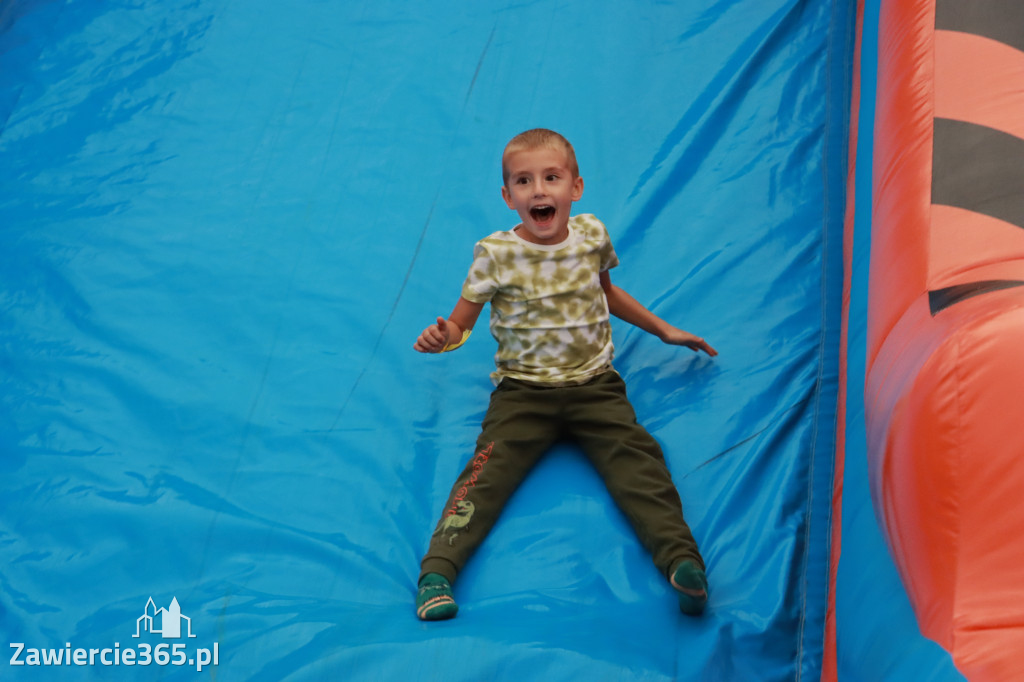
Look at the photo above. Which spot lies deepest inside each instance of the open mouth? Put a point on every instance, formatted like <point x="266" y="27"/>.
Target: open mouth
<point x="542" y="213"/>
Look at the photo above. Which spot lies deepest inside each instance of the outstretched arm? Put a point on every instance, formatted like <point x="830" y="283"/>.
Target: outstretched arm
<point x="443" y="333"/>
<point x="628" y="309"/>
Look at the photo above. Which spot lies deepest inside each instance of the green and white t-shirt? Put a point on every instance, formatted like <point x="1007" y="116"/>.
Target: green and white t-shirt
<point x="548" y="310"/>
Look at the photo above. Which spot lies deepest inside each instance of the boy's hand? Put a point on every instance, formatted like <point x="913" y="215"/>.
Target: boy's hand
<point x="434" y="338"/>
<point x="677" y="337"/>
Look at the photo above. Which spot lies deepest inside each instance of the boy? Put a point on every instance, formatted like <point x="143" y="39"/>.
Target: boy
<point x="550" y="292"/>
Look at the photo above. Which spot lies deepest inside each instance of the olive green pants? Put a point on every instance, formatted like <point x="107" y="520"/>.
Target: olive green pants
<point x="523" y="421"/>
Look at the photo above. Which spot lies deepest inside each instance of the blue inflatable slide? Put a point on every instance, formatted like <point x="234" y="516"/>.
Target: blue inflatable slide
<point x="224" y="224"/>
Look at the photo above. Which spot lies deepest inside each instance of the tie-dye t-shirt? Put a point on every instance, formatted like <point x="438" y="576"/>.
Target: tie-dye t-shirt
<point x="548" y="310"/>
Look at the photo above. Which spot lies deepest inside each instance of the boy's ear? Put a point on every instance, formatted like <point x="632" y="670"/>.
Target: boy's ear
<point x="507" y="196"/>
<point x="577" y="188"/>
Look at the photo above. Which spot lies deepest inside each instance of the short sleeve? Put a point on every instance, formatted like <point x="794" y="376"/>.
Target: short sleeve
<point x="482" y="280"/>
<point x="605" y="250"/>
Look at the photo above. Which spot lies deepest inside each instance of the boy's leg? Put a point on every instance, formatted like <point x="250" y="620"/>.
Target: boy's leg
<point x="632" y="465"/>
<point x="516" y="431"/>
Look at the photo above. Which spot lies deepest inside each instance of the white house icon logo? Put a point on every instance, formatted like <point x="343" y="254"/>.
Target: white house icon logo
<point x="168" y="620"/>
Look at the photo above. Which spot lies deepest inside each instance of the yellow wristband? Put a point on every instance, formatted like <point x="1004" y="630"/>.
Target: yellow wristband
<point x="453" y="346"/>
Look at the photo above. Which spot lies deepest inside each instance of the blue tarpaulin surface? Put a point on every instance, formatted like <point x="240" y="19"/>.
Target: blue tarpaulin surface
<point x="222" y="226"/>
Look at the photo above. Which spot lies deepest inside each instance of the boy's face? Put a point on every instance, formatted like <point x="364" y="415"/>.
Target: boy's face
<point x="541" y="189"/>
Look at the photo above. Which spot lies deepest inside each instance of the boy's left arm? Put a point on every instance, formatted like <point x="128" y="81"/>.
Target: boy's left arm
<point x="628" y="309"/>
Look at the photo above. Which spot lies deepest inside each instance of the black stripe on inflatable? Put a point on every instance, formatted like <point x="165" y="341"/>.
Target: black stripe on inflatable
<point x="1001" y="20"/>
<point x="979" y="169"/>
<point x="940" y="299"/>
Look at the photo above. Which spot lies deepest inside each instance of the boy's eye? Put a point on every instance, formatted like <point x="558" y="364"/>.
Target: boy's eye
<point x="522" y="180"/>
<point x="552" y="178"/>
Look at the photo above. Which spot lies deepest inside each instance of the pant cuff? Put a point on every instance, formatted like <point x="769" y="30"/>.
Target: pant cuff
<point x="439" y="565"/>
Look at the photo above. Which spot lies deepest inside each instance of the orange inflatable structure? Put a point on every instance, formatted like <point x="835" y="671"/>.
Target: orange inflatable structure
<point x="944" y="384"/>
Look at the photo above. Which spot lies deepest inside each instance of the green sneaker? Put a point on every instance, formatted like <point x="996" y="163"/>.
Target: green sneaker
<point x="692" y="585"/>
<point x="434" y="599"/>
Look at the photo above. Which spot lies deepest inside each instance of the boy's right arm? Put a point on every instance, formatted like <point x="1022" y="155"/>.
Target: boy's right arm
<point x="444" y="333"/>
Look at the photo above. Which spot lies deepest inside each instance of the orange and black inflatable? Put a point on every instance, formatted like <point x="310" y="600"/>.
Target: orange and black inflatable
<point x="944" y="384"/>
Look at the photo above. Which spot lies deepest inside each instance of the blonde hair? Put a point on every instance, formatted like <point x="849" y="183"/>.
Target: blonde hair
<point x="538" y="138"/>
